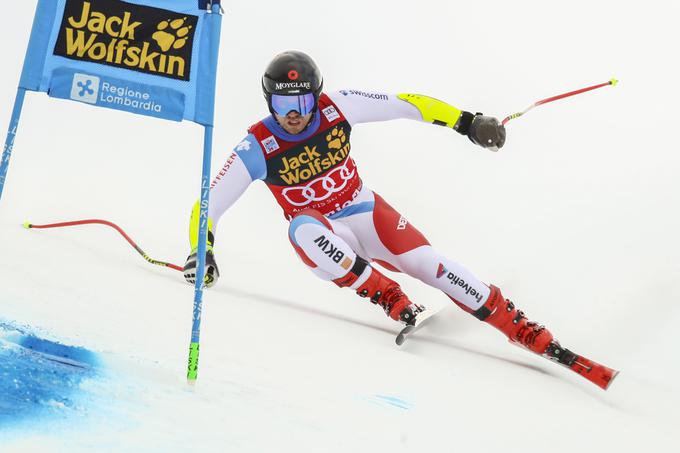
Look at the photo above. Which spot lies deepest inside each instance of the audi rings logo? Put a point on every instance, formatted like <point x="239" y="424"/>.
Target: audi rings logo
<point x="321" y="188"/>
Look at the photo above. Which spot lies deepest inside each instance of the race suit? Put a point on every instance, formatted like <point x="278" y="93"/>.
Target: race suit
<point x="334" y="217"/>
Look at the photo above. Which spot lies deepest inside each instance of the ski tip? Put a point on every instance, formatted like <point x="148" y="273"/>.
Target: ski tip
<point x="613" y="82"/>
<point x="27" y="225"/>
<point x="401" y="337"/>
<point x="614" y="374"/>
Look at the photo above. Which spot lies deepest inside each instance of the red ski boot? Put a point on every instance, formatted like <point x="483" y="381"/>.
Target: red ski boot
<point x="502" y="314"/>
<point x="382" y="291"/>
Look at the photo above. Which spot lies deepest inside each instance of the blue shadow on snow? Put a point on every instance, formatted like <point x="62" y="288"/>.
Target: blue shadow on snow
<point x="38" y="376"/>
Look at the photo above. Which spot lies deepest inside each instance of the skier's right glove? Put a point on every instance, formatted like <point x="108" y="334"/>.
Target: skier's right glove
<point x="212" y="273"/>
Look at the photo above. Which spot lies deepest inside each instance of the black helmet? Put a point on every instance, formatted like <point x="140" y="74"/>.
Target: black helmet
<point x="292" y="74"/>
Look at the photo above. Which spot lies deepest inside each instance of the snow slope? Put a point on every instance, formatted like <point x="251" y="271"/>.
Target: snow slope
<point x="575" y="219"/>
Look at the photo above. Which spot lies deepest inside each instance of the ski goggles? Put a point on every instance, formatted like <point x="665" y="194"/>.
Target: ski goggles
<point x="284" y="104"/>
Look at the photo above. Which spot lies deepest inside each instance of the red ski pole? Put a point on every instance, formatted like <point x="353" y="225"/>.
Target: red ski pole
<point x="559" y="96"/>
<point x="28" y="225"/>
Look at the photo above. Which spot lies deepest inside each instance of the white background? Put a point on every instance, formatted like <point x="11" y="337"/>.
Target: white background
<point x="575" y="219"/>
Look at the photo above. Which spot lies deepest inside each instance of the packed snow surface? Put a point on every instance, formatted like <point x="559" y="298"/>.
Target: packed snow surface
<point x="575" y="219"/>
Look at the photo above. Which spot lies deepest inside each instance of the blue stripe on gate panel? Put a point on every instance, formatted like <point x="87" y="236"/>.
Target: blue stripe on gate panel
<point x="118" y="94"/>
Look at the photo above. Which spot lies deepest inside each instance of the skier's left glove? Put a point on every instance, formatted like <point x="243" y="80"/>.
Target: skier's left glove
<point x="485" y="131"/>
<point x="212" y="273"/>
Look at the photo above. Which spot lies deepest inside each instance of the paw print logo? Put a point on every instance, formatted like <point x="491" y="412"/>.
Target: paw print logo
<point x="172" y="34"/>
<point x="336" y="138"/>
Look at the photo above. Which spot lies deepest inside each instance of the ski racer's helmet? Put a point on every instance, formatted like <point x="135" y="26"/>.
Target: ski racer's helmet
<point x="292" y="81"/>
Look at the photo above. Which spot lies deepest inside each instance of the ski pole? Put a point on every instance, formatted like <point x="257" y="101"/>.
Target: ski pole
<point x="559" y="96"/>
<point x="28" y="225"/>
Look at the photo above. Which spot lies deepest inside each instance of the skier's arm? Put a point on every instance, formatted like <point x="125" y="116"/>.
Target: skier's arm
<point x="364" y="107"/>
<point x="243" y="166"/>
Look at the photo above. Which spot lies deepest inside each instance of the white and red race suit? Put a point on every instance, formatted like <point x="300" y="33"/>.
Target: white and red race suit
<point x="334" y="216"/>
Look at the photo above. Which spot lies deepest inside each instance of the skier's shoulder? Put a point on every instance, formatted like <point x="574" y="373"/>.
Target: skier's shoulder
<point x="331" y="111"/>
<point x="358" y="105"/>
<point x="258" y="128"/>
<point x="249" y="143"/>
<point x="348" y="96"/>
<point x="251" y="153"/>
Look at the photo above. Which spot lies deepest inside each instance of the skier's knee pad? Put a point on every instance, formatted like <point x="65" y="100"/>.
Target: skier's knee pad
<point x="306" y="216"/>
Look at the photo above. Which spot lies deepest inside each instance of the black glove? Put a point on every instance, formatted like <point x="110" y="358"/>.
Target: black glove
<point x="484" y="131"/>
<point x="211" y="271"/>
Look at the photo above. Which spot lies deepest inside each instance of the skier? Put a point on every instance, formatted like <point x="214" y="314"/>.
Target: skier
<point x="338" y="225"/>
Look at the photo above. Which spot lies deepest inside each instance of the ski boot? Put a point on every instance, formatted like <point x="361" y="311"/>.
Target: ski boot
<point x="502" y="314"/>
<point x="382" y="291"/>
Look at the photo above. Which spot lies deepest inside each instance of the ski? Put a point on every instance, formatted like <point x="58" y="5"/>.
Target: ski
<point x="421" y="319"/>
<point x="596" y="373"/>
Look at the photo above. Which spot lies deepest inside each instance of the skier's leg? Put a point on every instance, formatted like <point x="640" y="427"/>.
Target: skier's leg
<point x="325" y="248"/>
<point x="485" y="303"/>
<point x="391" y="240"/>
<point x="313" y="237"/>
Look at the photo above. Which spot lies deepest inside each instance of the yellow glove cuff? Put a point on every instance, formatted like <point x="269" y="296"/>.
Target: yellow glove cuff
<point x="433" y="110"/>
<point x="194" y="226"/>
